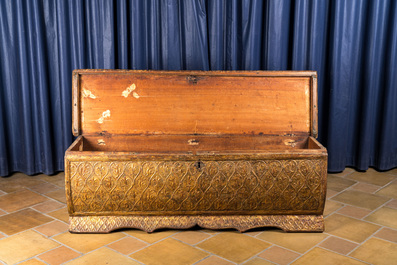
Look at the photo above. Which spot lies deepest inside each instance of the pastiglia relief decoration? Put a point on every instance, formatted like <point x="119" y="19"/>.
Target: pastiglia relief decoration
<point x="105" y="224"/>
<point x="172" y="187"/>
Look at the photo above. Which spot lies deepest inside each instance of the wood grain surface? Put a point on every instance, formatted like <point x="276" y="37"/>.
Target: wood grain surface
<point x="185" y="102"/>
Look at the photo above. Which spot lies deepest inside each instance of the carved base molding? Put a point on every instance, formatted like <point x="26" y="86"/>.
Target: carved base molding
<point x="106" y="224"/>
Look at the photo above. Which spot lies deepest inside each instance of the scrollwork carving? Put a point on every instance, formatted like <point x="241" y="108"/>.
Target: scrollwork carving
<point x="167" y="186"/>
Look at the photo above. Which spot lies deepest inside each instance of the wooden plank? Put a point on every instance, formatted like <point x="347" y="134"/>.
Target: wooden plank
<point x="200" y="73"/>
<point x="192" y="143"/>
<point x="154" y="102"/>
<point x="76" y="114"/>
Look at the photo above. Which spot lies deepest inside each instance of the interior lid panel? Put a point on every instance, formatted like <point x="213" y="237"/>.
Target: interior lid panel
<point x="184" y="102"/>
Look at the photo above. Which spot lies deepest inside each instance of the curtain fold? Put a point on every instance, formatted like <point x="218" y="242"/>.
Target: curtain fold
<point x="351" y="44"/>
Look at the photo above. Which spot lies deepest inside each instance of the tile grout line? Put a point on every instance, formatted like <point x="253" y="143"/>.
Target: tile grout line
<point x="383" y="205"/>
<point x="338" y="193"/>
<point x="345" y="239"/>
<point x="148" y="244"/>
<point x="129" y="254"/>
<point x="46" y="196"/>
<point x="357" y="183"/>
<point x="212" y="235"/>
<point x="213" y="255"/>
<point x="49" y="237"/>
<point x="125" y="255"/>
<point x="374" y="235"/>
<point x="193" y="245"/>
<point x="60" y="245"/>
<point x="263" y="250"/>
<point x="47" y="214"/>
<point x="348" y="204"/>
<point x="370" y="213"/>
<point x="362" y="219"/>
<point x="367" y="239"/>
<point x="256" y="257"/>
<point x="347" y="255"/>
<point x="274" y="245"/>
<point x="41" y="260"/>
<point x="316" y="245"/>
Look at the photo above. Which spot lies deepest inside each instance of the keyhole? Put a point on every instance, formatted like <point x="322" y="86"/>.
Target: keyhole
<point x="199" y="165"/>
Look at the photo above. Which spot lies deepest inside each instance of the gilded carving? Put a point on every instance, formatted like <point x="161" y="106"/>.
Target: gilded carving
<point x="249" y="186"/>
<point x="105" y="224"/>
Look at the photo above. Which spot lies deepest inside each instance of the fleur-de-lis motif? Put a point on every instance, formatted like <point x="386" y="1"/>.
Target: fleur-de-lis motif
<point x="167" y="186"/>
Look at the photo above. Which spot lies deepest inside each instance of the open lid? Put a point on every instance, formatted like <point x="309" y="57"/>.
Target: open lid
<point x="194" y="102"/>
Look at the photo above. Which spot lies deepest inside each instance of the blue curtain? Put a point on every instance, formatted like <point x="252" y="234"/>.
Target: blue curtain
<point x="351" y="44"/>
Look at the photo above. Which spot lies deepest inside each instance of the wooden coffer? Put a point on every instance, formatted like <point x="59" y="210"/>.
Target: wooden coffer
<point x="175" y="149"/>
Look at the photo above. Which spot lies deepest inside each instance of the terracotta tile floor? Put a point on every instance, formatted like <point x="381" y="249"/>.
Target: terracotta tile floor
<point x="361" y="228"/>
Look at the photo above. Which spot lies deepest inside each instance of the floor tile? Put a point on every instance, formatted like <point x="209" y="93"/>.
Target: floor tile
<point x="344" y="173"/>
<point x="392" y="171"/>
<point x="169" y="251"/>
<point x="331" y="193"/>
<point x="239" y="248"/>
<point x="18" y="182"/>
<point x="384" y="216"/>
<point x="150" y="237"/>
<point x="127" y="245"/>
<point x="87" y="242"/>
<point x="258" y="261"/>
<point x="279" y="255"/>
<point x="53" y="228"/>
<point x="58" y="195"/>
<point x="20" y="199"/>
<point x="48" y="206"/>
<point x="23" y="246"/>
<point x="360" y="199"/>
<point x="365" y="187"/>
<point x="338" y="184"/>
<point x="191" y="237"/>
<point x="372" y="176"/>
<point x="57" y="179"/>
<point x="353" y="211"/>
<point x="338" y="245"/>
<point x="392" y="204"/>
<point x="59" y="255"/>
<point x="387" y="234"/>
<point x="377" y="251"/>
<point x="318" y="256"/>
<point x="347" y="225"/>
<point x="349" y="228"/>
<point x="32" y="262"/>
<point x="22" y="220"/>
<point x="299" y="242"/>
<point x="389" y="191"/>
<point x="214" y="260"/>
<point x="44" y="188"/>
<point x="331" y="206"/>
<point x="252" y="232"/>
<point x="61" y="214"/>
<point x="101" y="257"/>
<point x="209" y="231"/>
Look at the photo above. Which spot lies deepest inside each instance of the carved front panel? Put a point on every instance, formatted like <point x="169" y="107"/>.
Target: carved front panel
<point x="261" y="186"/>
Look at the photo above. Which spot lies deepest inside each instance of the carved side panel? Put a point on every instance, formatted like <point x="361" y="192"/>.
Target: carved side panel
<point x="105" y="224"/>
<point x="270" y="186"/>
